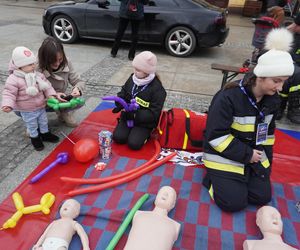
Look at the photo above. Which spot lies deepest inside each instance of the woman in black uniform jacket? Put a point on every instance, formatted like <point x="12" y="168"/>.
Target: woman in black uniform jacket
<point x="145" y="87"/>
<point x="239" y="137"/>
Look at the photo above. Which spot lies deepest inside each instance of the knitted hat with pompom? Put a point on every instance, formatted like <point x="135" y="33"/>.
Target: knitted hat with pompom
<point x="276" y="61"/>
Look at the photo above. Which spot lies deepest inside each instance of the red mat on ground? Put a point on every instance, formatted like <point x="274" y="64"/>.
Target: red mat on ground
<point x="286" y="164"/>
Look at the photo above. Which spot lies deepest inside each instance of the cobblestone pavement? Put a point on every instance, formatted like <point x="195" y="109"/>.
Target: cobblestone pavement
<point x="15" y="147"/>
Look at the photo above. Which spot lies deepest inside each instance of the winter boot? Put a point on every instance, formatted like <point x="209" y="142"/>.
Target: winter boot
<point x="293" y="113"/>
<point x="49" y="137"/>
<point x="37" y="143"/>
<point x="68" y="118"/>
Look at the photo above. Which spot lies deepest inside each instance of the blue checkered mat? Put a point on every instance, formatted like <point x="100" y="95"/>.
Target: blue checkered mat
<point x="203" y="224"/>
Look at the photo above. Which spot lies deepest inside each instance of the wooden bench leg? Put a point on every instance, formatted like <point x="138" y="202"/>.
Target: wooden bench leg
<point x="225" y="77"/>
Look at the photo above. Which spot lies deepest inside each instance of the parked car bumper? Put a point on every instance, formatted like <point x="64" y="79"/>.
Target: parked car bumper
<point x="212" y="39"/>
<point x="46" y="23"/>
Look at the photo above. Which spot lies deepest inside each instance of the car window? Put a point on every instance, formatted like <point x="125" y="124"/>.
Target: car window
<point x="114" y="2"/>
<point x="111" y="2"/>
<point x="163" y="3"/>
<point x="207" y="4"/>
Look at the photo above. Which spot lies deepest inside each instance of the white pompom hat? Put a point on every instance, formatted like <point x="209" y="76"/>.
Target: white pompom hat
<point x="22" y="56"/>
<point x="276" y="61"/>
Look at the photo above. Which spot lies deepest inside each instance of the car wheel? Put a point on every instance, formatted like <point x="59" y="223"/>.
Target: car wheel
<point x="180" y="41"/>
<point x="63" y="28"/>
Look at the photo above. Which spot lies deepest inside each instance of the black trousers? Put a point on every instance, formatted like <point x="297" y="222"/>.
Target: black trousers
<point x="233" y="195"/>
<point x="134" y="137"/>
<point x="123" y="23"/>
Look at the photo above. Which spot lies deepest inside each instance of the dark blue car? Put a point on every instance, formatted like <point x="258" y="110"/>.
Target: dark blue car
<point x="178" y="25"/>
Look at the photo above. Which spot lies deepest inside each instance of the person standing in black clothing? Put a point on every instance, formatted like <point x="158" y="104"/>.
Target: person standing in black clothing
<point x="239" y="136"/>
<point x="130" y="11"/>
<point x="145" y="88"/>
<point x="290" y="94"/>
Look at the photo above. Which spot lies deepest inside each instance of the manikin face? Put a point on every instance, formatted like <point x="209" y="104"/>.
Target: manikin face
<point x="270" y="85"/>
<point x="70" y="209"/>
<point x="28" y="68"/>
<point x="140" y="74"/>
<point x="268" y="219"/>
<point x="59" y="59"/>
<point x="166" y="198"/>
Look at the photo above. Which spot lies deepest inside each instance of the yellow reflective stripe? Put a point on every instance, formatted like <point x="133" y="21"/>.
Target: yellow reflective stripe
<point x="294" y="88"/>
<point x="265" y="163"/>
<point x="142" y="103"/>
<point x="243" y="127"/>
<point x="211" y="192"/>
<point x="269" y="142"/>
<point x="283" y="95"/>
<point x="224" y="167"/>
<point x="185" y="139"/>
<point x="223" y="145"/>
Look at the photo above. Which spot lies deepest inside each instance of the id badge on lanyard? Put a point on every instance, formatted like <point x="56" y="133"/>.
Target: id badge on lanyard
<point x="261" y="133"/>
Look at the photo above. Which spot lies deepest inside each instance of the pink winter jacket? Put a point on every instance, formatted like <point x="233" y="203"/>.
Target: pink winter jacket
<point x="14" y="94"/>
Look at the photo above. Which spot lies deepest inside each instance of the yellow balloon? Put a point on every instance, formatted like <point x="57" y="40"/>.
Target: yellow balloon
<point x="46" y="202"/>
<point x="32" y="209"/>
<point x="12" y="222"/>
<point x="18" y="201"/>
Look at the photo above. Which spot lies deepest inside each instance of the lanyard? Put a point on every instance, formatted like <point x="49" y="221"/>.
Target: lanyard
<point x="261" y="114"/>
<point x="133" y="93"/>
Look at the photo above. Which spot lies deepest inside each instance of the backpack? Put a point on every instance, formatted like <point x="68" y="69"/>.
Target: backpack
<point x="182" y="129"/>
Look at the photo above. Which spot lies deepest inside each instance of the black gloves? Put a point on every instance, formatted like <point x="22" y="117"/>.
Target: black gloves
<point x="130" y="115"/>
<point x="117" y="109"/>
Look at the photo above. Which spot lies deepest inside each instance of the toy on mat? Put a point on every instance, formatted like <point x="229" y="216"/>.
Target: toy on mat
<point x="116" y="176"/>
<point x="57" y="105"/>
<point x="46" y="202"/>
<point x="114" y="241"/>
<point x="133" y="106"/>
<point x="99" y="166"/>
<point x="61" y="158"/>
<point x="154" y="229"/>
<point x="114" y="180"/>
<point x="268" y="219"/>
<point x="59" y="233"/>
<point x="86" y="149"/>
<point x="122" y="180"/>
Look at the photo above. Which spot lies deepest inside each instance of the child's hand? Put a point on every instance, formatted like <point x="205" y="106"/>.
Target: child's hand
<point x="6" y="109"/>
<point x="75" y="92"/>
<point x="59" y="96"/>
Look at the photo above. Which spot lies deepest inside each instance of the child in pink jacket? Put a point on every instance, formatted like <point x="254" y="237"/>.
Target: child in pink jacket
<point x="26" y="91"/>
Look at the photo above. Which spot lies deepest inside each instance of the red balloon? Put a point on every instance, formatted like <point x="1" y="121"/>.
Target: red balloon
<point x="85" y="150"/>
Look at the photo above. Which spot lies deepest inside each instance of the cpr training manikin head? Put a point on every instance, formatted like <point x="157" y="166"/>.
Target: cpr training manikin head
<point x="166" y="198"/>
<point x="70" y="209"/>
<point x="268" y="219"/>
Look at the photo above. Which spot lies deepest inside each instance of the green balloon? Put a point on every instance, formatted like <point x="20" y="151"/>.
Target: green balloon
<point x="114" y="241"/>
<point x="73" y="103"/>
